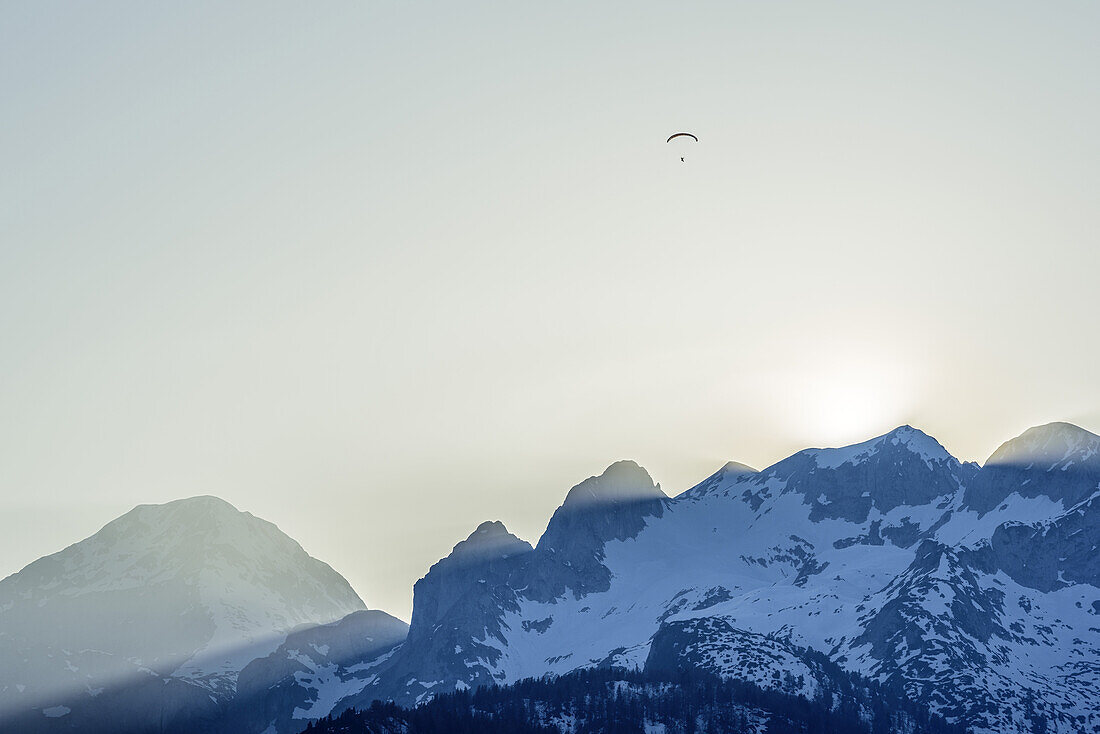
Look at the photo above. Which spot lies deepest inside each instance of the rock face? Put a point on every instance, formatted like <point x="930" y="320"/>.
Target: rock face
<point x="457" y="613"/>
<point x="464" y="608"/>
<point x="974" y="589"/>
<point x="152" y="618"/>
<point x="611" y="507"/>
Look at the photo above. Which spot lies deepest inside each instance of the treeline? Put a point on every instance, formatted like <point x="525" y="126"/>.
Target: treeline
<point x="617" y="701"/>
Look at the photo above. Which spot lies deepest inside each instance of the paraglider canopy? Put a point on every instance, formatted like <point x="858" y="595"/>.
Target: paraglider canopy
<point x="681" y="135"/>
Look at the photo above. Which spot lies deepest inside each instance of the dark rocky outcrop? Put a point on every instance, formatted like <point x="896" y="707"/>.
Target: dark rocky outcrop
<point x="903" y="467"/>
<point x="270" y="689"/>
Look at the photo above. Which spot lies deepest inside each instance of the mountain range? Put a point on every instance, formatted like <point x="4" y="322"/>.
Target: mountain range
<point x="974" y="590"/>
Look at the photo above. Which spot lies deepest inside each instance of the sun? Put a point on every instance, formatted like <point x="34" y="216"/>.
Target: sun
<point x="843" y="399"/>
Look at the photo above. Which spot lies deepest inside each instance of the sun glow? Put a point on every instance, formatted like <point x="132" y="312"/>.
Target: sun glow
<point x="845" y="399"/>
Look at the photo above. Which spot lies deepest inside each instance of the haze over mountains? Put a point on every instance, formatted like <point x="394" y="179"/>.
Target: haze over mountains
<point x="188" y="592"/>
<point x="975" y="588"/>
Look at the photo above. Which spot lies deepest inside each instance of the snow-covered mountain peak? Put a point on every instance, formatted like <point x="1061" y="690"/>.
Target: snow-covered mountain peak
<point x="902" y="468"/>
<point x="906" y="438"/>
<point x="731" y="473"/>
<point x="1051" y="446"/>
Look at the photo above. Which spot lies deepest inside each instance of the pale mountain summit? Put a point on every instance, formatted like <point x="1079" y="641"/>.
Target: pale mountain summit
<point x="189" y="591"/>
<point x="1053" y="464"/>
<point x="1053" y="446"/>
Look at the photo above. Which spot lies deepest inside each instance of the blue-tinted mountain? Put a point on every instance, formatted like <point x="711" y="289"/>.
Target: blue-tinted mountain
<point x="971" y="588"/>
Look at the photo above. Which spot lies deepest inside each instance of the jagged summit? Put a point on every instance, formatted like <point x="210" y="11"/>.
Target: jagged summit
<point x="1053" y="446"/>
<point x="489" y="528"/>
<point x="622" y="482"/>
<point x="905" y="467"/>
<point x="491" y="540"/>
<point x="613" y="506"/>
<point x="904" y="437"/>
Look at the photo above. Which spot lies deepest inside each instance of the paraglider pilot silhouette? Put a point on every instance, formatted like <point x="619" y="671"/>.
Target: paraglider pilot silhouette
<point x="681" y="135"/>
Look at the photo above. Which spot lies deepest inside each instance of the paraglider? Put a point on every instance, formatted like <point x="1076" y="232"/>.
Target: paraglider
<point x="681" y="135"/>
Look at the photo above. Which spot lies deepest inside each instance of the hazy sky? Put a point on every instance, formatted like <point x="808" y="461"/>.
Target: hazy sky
<point x="378" y="271"/>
